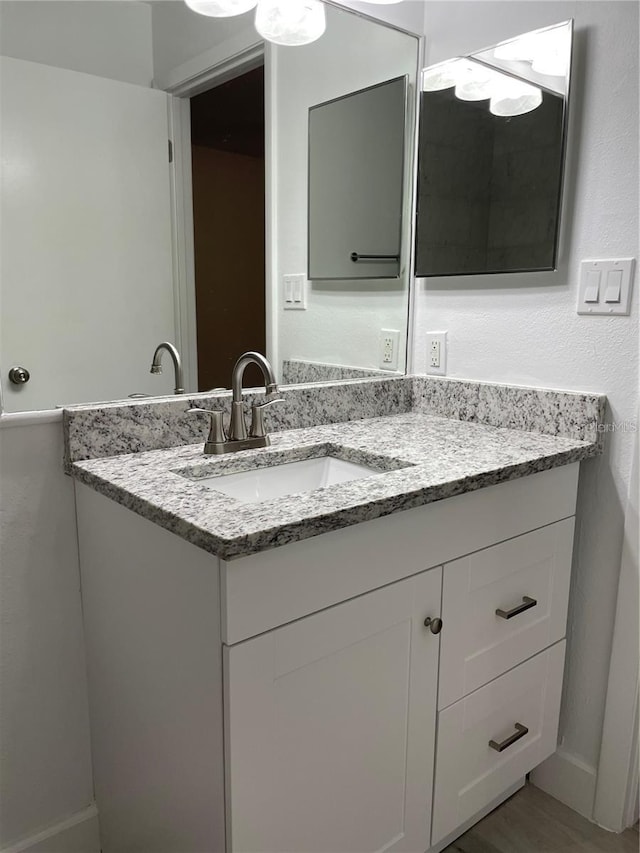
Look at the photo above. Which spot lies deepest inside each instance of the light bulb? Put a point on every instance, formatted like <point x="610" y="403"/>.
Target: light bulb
<point x="441" y="77"/>
<point x="514" y="98"/>
<point x="290" y="22"/>
<point x="475" y="82"/>
<point x="220" y="8"/>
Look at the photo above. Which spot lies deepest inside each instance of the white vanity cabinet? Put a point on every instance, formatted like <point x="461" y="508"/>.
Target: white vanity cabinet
<point x="294" y="700"/>
<point x="326" y="720"/>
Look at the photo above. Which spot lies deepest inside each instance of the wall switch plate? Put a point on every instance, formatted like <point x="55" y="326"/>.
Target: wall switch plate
<point x="605" y="287"/>
<point x="436" y="353"/>
<point x="294" y="292"/>
<point x="389" y="343"/>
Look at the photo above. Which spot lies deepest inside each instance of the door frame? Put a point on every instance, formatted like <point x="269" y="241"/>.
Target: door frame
<point x="184" y="83"/>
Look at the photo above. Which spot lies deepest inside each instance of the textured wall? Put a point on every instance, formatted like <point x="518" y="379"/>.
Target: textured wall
<point x="524" y="328"/>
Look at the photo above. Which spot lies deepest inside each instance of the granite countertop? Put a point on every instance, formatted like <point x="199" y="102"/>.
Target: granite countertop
<point x="421" y="457"/>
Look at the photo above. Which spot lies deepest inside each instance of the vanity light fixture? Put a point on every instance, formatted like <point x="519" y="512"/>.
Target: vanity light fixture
<point x="284" y="22"/>
<point x="290" y="22"/>
<point x="221" y="8"/>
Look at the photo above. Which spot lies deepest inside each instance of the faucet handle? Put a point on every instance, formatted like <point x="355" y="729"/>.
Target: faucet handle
<point x="257" y="417"/>
<point x="216" y="427"/>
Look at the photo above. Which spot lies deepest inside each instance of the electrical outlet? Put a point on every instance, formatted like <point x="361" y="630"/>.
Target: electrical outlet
<point x="437" y="353"/>
<point x="294" y="297"/>
<point x="389" y="342"/>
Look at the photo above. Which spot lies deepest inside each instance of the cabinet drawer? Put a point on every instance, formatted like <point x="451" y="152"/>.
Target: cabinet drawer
<point x="470" y="772"/>
<point x="526" y="579"/>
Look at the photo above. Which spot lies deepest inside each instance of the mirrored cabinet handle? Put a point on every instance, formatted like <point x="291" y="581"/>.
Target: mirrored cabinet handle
<point x="356" y="256"/>
<point x="500" y="746"/>
<point x="527" y="604"/>
<point x="19" y="375"/>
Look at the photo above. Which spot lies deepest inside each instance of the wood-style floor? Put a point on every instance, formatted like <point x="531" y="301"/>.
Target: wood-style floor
<point x="533" y="822"/>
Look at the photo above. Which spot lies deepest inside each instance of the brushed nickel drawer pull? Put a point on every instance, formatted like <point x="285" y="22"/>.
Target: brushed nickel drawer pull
<point x="527" y="604"/>
<point x="520" y="731"/>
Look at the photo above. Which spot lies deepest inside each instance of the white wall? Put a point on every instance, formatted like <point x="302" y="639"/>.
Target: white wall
<point x="343" y="319"/>
<point x="45" y="766"/>
<point x="524" y="328"/>
<point x="181" y="35"/>
<point x="46" y="789"/>
<point x="108" y="38"/>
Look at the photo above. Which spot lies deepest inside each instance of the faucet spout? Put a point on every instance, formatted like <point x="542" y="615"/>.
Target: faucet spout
<point x="245" y="359"/>
<point x="156" y="364"/>
<point x="238" y="428"/>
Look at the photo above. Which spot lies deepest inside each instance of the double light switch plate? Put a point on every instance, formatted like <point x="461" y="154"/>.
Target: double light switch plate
<point x="605" y="287"/>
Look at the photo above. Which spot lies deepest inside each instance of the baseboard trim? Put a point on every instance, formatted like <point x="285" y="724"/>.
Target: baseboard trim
<point x="77" y="834"/>
<point x="568" y="779"/>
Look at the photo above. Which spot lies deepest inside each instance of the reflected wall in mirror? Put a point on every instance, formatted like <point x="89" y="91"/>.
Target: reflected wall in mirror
<point x="355" y="202"/>
<point x="491" y="156"/>
<point x="99" y="262"/>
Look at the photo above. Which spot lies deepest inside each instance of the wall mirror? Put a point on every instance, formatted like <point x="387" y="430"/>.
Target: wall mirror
<point x="355" y="202"/>
<point x="154" y="170"/>
<point x="491" y="155"/>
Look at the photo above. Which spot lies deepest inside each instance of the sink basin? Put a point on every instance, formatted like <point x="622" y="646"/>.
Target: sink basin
<point x="263" y="484"/>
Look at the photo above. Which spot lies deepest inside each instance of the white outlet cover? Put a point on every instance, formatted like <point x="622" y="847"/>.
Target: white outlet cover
<point x="441" y="338"/>
<point x="386" y="335"/>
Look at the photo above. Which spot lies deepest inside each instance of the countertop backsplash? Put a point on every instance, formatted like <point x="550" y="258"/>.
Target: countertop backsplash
<point x="111" y="429"/>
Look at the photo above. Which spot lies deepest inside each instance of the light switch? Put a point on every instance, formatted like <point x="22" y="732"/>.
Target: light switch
<point x="592" y="288"/>
<point x="605" y="286"/>
<point x="295" y="292"/>
<point x="614" y="286"/>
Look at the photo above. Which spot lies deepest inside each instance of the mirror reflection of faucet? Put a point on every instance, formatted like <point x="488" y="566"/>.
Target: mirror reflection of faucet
<point x="156" y="364"/>
<point x="238" y="438"/>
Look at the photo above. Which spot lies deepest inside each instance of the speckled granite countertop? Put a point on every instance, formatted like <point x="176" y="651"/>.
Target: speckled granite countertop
<point x="422" y="458"/>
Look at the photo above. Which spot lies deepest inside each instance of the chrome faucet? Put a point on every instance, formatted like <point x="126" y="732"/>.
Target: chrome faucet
<point x="238" y="439"/>
<point x="238" y="428"/>
<point x="156" y="364"/>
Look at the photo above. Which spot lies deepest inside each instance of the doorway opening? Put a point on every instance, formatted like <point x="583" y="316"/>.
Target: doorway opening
<point x="228" y="176"/>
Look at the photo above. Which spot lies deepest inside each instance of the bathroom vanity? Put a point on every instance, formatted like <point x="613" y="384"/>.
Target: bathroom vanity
<point x="275" y="677"/>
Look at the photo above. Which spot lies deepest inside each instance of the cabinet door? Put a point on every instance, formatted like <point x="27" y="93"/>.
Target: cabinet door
<point x="330" y="727"/>
<point x="493" y="737"/>
<point x="503" y="605"/>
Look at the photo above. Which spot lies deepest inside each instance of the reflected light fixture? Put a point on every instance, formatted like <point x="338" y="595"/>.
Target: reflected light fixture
<point x="440" y="77"/>
<point x="475" y="82"/>
<point x="220" y="8"/>
<point x="547" y="51"/>
<point x="290" y="22"/>
<point x="513" y="97"/>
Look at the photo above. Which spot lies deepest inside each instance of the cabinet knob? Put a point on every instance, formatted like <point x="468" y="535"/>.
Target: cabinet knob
<point x="434" y="624"/>
<point x="19" y="375"/>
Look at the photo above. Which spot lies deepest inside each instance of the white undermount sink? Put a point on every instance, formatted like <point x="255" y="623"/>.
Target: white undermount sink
<point x="263" y="484"/>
